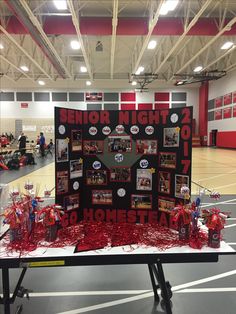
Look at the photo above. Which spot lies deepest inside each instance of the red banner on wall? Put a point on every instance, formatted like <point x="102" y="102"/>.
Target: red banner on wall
<point x="228" y="99"/>
<point x="218" y="114"/>
<point x="227" y="113"/>
<point x="234" y="97"/>
<point x="234" y="111"/>
<point x="218" y="102"/>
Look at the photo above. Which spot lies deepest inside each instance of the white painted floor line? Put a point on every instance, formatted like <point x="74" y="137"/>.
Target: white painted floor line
<point x="230" y="226"/>
<point x="81" y="293"/>
<point x="231" y="243"/>
<point x="233" y="289"/>
<point x="216" y="176"/>
<point x="108" y="304"/>
<point x="223" y="186"/>
<point x="218" y="203"/>
<point x="149" y="294"/>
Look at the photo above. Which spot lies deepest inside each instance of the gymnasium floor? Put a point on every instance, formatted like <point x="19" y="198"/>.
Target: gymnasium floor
<point x="197" y="288"/>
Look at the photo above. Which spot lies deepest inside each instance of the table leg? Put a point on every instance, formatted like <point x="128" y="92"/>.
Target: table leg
<point x="6" y="291"/>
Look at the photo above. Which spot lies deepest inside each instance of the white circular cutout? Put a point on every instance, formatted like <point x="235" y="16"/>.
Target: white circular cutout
<point x="143" y="163"/>
<point x="93" y="130"/>
<point x="119" y="157"/>
<point x="76" y="185"/>
<point x="120" y="128"/>
<point x="174" y="118"/>
<point x="61" y="129"/>
<point x="121" y="192"/>
<point x="97" y="165"/>
<point x="106" y="130"/>
<point x="134" y="129"/>
<point x="149" y="130"/>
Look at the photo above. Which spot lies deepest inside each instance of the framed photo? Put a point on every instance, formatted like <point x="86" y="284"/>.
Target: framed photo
<point x="76" y="140"/>
<point x="218" y="102"/>
<point x="120" y="174"/>
<point x="218" y="114"/>
<point x="166" y="204"/>
<point x="171" y="137"/>
<point x="62" y="182"/>
<point x="227" y="113"/>
<point x="180" y="181"/>
<point x="103" y="197"/>
<point x="62" y="153"/>
<point x="144" y="180"/>
<point x="71" y="202"/>
<point x="227" y="99"/>
<point x="92" y="147"/>
<point x="76" y="168"/>
<point x="139" y="201"/>
<point x="96" y="177"/>
<point x="93" y="96"/>
<point x="146" y="147"/>
<point x="164" y="182"/>
<point x="167" y="160"/>
<point x="119" y="144"/>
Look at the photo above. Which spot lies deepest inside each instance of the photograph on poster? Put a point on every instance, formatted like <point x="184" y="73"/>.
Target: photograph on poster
<point x="139" y="201"/>
<point x="96" y="177"/>
<point x="164" y="182"/>
<point x="146" y="147"/>
<point x="92" y="147"/>
<point x="171" y="137"/>
<point x="120" y="174"/>
<point x="76" y="168"/>
<point x="166" y="204"/>
<point x="62" y="182"/>
<point x="119" y="144"/>
<point x="180" y="180"/>
<point x="167" y="160"/>
<point x="102" y="197"/>
<point x="71" y="202"/>
<point x="76" y="140"/>
<point x="62" y="153"/>
<point x="144" y="180"/>
<point x="93" y="96"/>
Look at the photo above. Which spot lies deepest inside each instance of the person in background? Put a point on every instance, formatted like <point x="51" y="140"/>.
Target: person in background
<point x="38" y="140"/>
<point x="50" y="147"/>
<point x="42" y="144"/>
<point x="22" y="144"/>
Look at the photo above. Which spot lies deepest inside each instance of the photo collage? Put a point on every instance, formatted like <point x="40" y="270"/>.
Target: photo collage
<point x="115" y="167"/>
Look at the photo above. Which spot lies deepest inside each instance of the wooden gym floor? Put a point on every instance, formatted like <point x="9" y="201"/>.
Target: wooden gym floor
<point x="212" y="168"/>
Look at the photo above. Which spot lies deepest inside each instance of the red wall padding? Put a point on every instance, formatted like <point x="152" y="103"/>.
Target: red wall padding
<point x="161" y="106"/>
<point x="127" y="106"/>
<point x="144" y="106"/>
<point x="128" y="97"/>
<point x="162" y="96"/>
<point x="226" y="139"/>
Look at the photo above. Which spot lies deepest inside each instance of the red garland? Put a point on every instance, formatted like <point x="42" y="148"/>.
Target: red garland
<point x="98" y="235"/>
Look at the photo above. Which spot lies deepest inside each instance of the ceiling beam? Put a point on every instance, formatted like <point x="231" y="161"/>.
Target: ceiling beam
<point x="219" y="58"/>
<point x="113" y="37"/>
<point x="152" y="24"/>
<point x="12" y="39"/>
<point x="77" y="28"/>
<point x="186" y="30"/>
<point x="15" y="67"/>
<point x="209" y="43"/>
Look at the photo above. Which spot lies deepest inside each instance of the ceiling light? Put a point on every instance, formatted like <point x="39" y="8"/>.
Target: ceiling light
<point x="134" y="83"/>
<point x="198" y="69"/>
<point x="180" y="83"/>
<point x="83" y="69"/>
<point x="60" y="4"/>
<point x="1" y="46"/>
<point x="75" y="44"/>
<point x="152" y="44"/>
<point x="171" y="4"/>
<point x="88" y="83"/>
<point x="227" y="45"/>
<point x="140" y="69"/>
<point x="168" y="5"/>
<point x="24" y="68"/>
<point x="41" y="83"/>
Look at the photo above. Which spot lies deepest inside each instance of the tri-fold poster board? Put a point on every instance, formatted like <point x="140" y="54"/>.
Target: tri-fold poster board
<point x="122" y="166"/>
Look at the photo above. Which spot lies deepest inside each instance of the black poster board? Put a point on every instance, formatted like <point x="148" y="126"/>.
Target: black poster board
<point x="126" y="166"/>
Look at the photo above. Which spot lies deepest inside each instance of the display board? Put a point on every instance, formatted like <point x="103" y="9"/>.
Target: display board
<point x="122" y="166"/>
